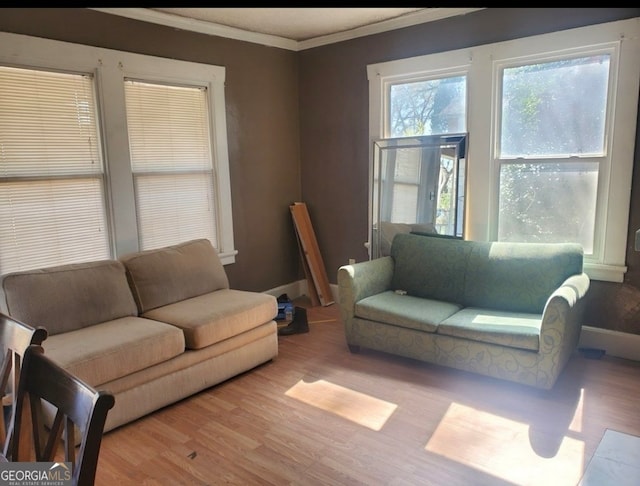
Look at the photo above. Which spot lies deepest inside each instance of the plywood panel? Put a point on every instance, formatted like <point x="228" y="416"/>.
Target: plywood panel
<point x="311" y="252"/>
<point x="311" y="287"/>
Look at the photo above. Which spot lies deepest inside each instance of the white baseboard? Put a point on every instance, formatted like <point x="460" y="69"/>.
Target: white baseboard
<point x="298" y="289"/>
<point x="293" y="289"/>
<point x="614" y="343"/>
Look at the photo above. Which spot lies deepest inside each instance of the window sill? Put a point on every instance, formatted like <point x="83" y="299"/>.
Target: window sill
<point x="606" y="273"/>
<point x="228" y="257"/>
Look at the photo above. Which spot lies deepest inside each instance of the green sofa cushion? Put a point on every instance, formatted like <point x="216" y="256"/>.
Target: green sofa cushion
<point x="515" y="330"/>
<point x="405" y="310"/>
<point x="518" y="277"/>
<point x="432" y="268"/>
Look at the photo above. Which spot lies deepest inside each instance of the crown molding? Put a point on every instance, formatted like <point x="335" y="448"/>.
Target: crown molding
<point x="421" y="17"/>
<point x="210" y="28"/>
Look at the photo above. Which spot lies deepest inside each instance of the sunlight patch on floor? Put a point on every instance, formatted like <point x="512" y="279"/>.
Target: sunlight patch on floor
<point x="502" y="447"/>
<point x="576" y="423"/>
<point x="362" y="409"/>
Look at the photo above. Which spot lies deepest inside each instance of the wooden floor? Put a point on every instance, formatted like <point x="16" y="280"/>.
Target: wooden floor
<point x="319" y="415"/>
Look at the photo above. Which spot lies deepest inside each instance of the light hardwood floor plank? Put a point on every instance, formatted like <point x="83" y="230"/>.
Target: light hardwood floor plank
<point x="319" y="415"/>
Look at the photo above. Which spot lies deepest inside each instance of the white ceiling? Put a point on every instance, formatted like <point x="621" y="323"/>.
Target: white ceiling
<point x="289" y="28"/>
<point x="297" y="24"/>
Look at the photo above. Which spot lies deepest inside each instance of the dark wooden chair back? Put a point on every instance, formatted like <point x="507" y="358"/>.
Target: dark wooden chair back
<point x="15" y="337"/>
<point x="55" y="405"/>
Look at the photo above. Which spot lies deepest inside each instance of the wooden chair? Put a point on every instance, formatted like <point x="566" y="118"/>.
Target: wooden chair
<point x="15" y="337"/>
<point x="53" y="404"/>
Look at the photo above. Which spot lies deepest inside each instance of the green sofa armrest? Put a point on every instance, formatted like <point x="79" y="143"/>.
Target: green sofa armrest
<point x="360" y="280"/>
<point x="562" y="324"/>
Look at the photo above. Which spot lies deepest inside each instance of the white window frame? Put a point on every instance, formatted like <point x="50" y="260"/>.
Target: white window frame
<point x="110" y="68"/>
<point x="54" y="207"/>
<point x="165" y="215"/>
<point x="481" y="64"/>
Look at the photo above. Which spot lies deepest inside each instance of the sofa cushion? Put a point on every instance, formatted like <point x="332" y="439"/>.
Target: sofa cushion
<point x="216" y="316"/>
<point x="405" y="310"/>
<point x="429" y="266"/>
<point x="518" y="277"/>
<point x="69" y="297"/>
<point x="113" y="349"/>
<point x="516" y="330"/>
<point x="174" y="273"/>
<point x="389" y="230"/>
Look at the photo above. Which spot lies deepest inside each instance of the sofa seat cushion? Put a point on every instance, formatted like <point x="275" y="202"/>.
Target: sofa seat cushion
<point x="216" y="316"/>
<point x="405" y="310"/>
<point x="512" y="329"/>
<point x="113" y="349"/>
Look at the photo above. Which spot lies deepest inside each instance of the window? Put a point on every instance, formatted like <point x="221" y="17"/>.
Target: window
<point x="52" y="198"/>
<point x="418" y="170"/>
<point x="418" y="183"/>
<point x="104" y="153"/>
<point x="551" y="148"/>
<point x="171" y="162"/>
<point x="431" y="107"/>
<point x="551" y="123"/>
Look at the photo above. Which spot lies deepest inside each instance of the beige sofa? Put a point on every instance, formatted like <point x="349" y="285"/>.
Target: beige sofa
<point x="506" y="310"/>
<point x="153" y="327"/>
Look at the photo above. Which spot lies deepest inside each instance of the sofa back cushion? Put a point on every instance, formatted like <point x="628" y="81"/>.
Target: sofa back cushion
<point x="431" y="267"/>
<point x="518" y="277"/>
<point x="69" y="297"/>
<point x="389" y="230"/>
<point x="166" y="275"/>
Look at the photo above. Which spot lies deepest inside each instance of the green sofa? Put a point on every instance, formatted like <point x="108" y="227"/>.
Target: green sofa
<point x="506" y="310"/>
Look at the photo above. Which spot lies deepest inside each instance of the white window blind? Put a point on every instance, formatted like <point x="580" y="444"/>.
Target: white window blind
<point x="170" y="146"/>
<point x="52" y="204"/>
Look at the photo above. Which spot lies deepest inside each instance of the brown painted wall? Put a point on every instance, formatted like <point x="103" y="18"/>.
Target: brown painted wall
<point x="298" y="129"/>
<point x="334" y="133"/>
<point x="261" y="92"/>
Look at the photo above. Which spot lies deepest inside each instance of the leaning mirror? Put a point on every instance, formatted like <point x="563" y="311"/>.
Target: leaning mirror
<point x="418" y="186"/>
